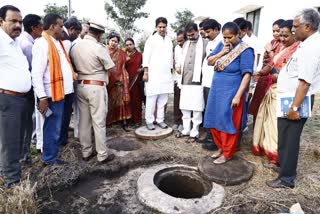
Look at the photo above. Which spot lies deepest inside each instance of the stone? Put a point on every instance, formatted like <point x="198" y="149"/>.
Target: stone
<point x="296" y="209"/>
<point x="151" y="196"/>
<point x="156" y="134"/>
<point x="233" y="172"/>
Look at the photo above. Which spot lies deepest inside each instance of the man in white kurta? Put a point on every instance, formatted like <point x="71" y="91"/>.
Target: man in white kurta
<point x="177" y="114"/>
<point x="157" y="63"/>
<point x="191" y="96"/>
<point x="212" y="33"/>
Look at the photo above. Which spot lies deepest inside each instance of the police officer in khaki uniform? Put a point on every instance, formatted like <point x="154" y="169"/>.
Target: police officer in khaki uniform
<point x="92" y="62"/>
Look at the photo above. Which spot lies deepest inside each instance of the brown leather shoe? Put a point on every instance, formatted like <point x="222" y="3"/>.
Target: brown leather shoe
<point x="109" y="158"/>
<point x="277" y="183"/>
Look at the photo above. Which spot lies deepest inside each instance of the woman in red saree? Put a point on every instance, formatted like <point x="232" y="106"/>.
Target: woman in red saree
<point x="118" y="87"/>
<point x="262" y="76"/>
<point x="133" y="66"/>
<point x="265" y="134"/>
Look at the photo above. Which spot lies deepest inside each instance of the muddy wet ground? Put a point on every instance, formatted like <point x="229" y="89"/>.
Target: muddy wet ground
<point x="87" y="187"/>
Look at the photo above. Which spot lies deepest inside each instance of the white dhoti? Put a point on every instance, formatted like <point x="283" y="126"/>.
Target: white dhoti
<point x="191" y="98"/>
<point x="39" y="126"/>
<point x="192" y="106"/>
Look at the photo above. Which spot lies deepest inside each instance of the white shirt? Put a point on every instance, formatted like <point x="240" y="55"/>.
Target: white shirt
<point x="41" y="72"/>
<point x="177" y="59"/>
<point x="158" y="57"/>
<point x="14" y="67"/>
<point x="303" y="65"/>
<point x="26" y="42"/>
<point x="208" y="70"/>
<point x="258" y="48"/>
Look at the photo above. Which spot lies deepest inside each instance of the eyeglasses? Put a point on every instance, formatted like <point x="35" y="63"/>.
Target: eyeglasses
<point x="297" y="26"/>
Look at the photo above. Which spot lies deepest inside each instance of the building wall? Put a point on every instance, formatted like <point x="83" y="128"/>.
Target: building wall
<point x="272" y="10"/>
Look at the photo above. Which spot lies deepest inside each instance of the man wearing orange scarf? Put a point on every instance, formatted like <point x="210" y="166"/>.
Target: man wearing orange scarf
<point x="52" y="79"/>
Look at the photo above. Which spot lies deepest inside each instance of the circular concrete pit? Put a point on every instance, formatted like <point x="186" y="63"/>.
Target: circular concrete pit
<point x="233" y="172"/>
<point x="156" y="134"/>
<point x="178" y="189"/>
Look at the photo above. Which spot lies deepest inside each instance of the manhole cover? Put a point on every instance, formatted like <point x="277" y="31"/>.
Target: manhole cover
<point x="123" y="144"/>
<point x="178" y="189"/>
<point x="233" y="172"/>
<point x="156" y="134"/>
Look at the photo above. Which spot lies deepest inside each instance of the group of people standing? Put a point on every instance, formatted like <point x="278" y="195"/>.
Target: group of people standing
<point x="214" y="72"/>
<point x="209" y="71"/>
<point x="56" y="67"/>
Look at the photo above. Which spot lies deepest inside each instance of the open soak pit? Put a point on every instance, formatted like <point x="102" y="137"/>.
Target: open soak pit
<point x="181" y="183"/>
<point x="178" y="189"/>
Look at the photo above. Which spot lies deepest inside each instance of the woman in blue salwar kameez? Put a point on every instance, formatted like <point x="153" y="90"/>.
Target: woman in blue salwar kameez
<point x="226" y="113"/>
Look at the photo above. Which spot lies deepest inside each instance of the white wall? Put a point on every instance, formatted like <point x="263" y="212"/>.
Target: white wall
<point x="275" y="9"/>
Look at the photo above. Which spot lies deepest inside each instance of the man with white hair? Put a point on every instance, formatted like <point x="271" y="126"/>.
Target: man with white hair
<point x="301" y="75"/>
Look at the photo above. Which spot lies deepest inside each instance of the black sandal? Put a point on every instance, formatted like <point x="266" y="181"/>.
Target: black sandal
<point x="180" y="135"/>
<point x="192" y="140"/>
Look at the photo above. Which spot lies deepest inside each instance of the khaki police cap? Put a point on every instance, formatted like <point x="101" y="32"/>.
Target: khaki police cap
<point x="97" y="26"/>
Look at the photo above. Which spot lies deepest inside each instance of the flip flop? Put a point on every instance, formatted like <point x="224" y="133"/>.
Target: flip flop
<point x="216" y="154"/>
<point x="192" y="140"/>
<point x="180" y="135"/>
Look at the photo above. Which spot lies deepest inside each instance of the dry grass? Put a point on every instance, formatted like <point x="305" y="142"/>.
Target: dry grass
<point x="21" y="201"/>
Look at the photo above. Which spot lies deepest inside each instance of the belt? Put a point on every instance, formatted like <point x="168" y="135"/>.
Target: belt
<point x="91" y="82"/>
<point x="12" y="93"/>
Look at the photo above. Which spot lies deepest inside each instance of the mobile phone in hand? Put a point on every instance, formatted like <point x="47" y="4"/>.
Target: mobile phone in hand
<point x="48" y="113"/>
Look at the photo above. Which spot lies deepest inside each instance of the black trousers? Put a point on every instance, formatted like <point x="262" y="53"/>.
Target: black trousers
<point x="205" y="95"/>
<point x="28" y="129"/>
<point x="177" y="114"/>
<point x="206" y="91"/>
<point x="13" y="112"/>
<point x="289" y="132"/>
<point x="67" y="112"/>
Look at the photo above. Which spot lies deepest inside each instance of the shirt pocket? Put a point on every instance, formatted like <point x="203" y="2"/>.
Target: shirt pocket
<point x="292" y="68"/>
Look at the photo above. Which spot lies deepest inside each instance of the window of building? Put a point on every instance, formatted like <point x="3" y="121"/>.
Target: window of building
<point x="254" y="18"/>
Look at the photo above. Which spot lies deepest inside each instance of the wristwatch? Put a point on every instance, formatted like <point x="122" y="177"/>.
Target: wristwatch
<point x="294" y="108"/>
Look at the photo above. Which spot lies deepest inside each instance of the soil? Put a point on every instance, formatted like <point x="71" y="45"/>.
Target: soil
<point x="87" y="187"/>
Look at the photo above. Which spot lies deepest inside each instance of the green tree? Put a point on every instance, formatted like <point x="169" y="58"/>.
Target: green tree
<point x="124" y="13"/>
<point x="141" y="41"/>
<point x="54" y="8"/>
<point x="85" y="20"/>
<point x="183" y="18"/>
